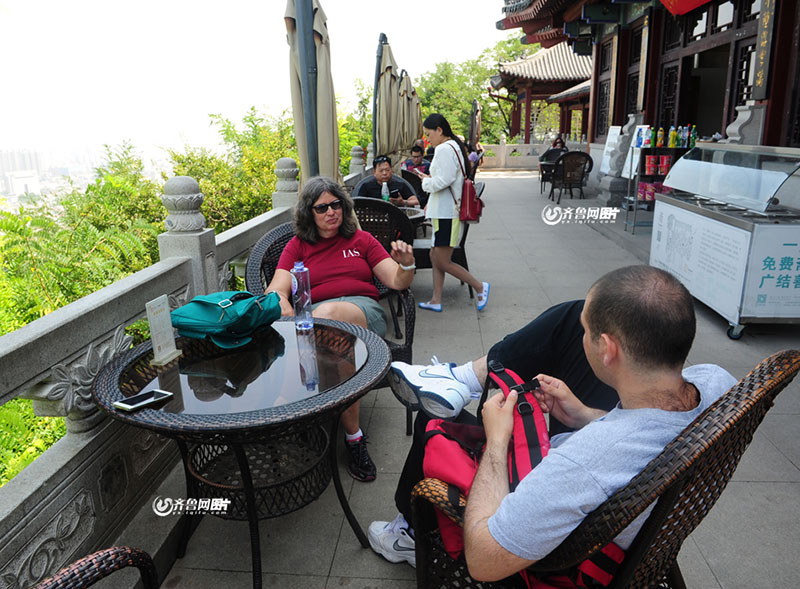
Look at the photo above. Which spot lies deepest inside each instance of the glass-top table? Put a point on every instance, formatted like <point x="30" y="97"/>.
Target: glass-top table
<point x="256" y="426"/>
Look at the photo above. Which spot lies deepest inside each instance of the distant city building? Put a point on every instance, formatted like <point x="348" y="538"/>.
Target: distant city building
<point x="21" y="182"/>
<point x="21" y="160"/>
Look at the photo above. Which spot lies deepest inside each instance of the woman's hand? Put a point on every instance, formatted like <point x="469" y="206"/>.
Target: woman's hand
<point x="402" y="253"/>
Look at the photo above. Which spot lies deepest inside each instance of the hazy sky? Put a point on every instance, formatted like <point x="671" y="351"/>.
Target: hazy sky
<point x="87" y="72"/>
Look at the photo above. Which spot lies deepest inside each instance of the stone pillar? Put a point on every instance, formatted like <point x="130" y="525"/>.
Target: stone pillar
<point x="356" y="159"/>
<point x="286" y="187"/>
<point x="613" y="187"/>
<point x="187" y="235"/>
<point x="748" y="128"/>
<point x="370" y="154"/>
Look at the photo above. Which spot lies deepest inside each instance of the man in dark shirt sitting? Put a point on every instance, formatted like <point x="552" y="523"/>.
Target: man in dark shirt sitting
<point x="416" y="161"/>
<point x="400" y="193"/>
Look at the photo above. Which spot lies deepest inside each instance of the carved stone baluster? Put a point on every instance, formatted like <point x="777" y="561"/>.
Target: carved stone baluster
<point x="356" y="159"/>
<point x="286" y="187"/>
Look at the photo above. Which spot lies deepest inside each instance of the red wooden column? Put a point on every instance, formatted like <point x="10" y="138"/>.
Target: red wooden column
<point x="528" y="90"/>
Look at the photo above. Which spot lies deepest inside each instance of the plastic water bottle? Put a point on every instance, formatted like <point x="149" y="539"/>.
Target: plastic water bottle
<point x="301" y="290"/>
<point x="385" y="192"/>
<point x="307" y="355"/>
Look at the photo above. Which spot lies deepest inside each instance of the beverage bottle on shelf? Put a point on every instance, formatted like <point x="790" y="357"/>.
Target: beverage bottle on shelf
<point x="652" y="137"/>
<point x="660" y="137"/>
<point x="638" y="142"/>
<point x="385" y="191"/>
<point x="301" y="289"/>
<point x="685" y="136"/>
<point x="693" y="137"/>
<point x="671" y="136"/>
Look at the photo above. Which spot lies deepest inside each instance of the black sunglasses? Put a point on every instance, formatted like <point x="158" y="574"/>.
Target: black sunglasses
<point x="381" y="159"/>
<point x="321" y="209"/>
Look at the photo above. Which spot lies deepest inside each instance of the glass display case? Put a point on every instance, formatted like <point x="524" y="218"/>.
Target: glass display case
<point x="756" y="178"/>
<point x="728" y="225"/>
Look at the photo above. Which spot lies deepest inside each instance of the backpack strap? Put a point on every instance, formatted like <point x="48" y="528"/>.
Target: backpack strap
<point x="601" y="567"/>
<point x="530" y="439"/>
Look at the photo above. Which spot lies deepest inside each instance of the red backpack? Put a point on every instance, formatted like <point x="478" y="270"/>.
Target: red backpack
<point x="471" y="205"/>
<point x="452" y="453"/>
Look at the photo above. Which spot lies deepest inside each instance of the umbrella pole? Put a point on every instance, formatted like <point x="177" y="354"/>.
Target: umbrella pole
<point x="308" y="80"/>
<point x="381" y="41"/>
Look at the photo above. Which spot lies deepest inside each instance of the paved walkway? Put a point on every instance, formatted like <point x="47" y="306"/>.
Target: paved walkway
<point x="750" y="539"/>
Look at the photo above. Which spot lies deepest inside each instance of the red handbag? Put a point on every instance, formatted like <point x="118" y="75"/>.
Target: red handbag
<point x="471" y="206"/>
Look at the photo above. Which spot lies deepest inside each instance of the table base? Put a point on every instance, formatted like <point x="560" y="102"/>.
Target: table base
<point x="287" y="474"/>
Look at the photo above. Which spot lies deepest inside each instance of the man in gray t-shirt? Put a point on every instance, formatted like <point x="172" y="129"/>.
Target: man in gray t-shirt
<point x="639" y="326"/>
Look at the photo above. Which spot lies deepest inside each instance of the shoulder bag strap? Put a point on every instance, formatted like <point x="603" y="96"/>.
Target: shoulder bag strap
<point x="463" y="173"/>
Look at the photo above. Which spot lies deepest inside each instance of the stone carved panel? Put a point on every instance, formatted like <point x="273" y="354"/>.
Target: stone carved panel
<point x="68" y="390"/>
<point x="53" y="545"/>
<point x="145" y="449"/>
<point x="112" y="482"/>
<point x="224" y="274"/>
<point x="180" y="299"/>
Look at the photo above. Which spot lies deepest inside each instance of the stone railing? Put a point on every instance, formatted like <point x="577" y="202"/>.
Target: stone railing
<point x="518" y="156"/>
<point x="82" y="492"/>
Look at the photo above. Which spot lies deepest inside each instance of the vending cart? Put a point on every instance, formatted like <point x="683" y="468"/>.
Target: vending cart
<point x="728" y="226"/>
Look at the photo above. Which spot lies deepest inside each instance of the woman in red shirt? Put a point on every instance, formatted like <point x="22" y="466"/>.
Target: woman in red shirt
<point x="341" y="261"/>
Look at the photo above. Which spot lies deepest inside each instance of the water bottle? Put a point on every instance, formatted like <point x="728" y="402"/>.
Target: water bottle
<point x="307" y="355"/>
<point x="301" y="290"/>
<point x="385" y="192"/>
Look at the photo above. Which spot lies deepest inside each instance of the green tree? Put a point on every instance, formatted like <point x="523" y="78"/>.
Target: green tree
<point x="451" y="87"/>
<point x="355" y="128"/>
<point x="238" y="184"/>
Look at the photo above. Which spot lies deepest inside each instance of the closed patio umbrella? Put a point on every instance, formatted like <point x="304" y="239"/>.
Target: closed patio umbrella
<point x="475" y="123"/>
<point x="411" y="113"/>
<point x="313" y="99"/>
<point x="386" y="120"/>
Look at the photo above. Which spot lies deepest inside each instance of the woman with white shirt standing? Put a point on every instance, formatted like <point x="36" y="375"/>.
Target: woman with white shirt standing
<point x="449" y="167"/>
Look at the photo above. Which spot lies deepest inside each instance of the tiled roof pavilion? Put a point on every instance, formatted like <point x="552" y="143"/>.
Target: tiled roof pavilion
<point x="556" y="64"/>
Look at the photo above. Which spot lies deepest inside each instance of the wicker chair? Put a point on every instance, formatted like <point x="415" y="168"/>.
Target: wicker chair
<point x="416" y="184"/>
<point x="546" y="172"/>
<point x="571" y="171"/>
<point x="686" y="479"/>
<point x="90" y="569"/>
<point x="263" y="260"/>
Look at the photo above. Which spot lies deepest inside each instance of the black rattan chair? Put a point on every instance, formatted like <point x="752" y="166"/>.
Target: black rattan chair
<point x="684" y="482"/>
<point x="263" y="260"/>
<point x="571" y="171"/>
<point x="386" y="223"/>
<point x="546" y="172"/>
<point x="90" y="569"/>
<point x="416" y="184"/>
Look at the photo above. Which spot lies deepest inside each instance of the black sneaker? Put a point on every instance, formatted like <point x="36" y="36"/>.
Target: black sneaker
<point x="361" y="466"/>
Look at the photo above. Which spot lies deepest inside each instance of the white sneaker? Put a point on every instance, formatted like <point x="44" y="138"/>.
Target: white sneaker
<point x="392" y="541"/>
<point x="433" y="388"/>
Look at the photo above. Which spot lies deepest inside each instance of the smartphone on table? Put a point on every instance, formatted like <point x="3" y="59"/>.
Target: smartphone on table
<point x="143" y="400"/>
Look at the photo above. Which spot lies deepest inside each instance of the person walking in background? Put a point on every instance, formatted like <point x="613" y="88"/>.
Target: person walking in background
<point x="449" y="167"/>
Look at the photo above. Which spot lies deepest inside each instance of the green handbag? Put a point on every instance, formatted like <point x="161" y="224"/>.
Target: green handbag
<point x="227" y="318"/>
